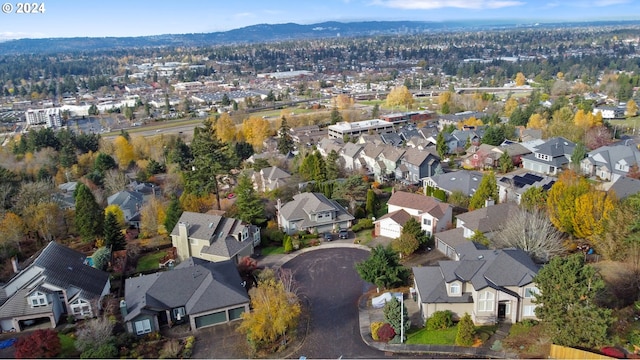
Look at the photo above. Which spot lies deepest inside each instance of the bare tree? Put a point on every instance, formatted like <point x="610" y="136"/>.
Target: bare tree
<point x="531" y="232"/>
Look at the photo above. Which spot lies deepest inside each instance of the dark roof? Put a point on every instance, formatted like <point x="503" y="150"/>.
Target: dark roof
<point x="196" y="284"/>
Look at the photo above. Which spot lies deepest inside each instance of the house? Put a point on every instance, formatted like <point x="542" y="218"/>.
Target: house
<point x="213" y="237"/>
<point x="433" y="215"/>
<point x="462" y="180"/>
<point x="55" y="283"/>
<point x="314" y="213"/>
<point x="489" y="285"/>
<point x="511" y="187"/>
<point x="198" y="292"/>
<point x="270" y="178"/>
<point x="487" y="220"/>
<point x="549" y="157"/>
<point x="609" y="163"/>
<point x="130" y="202"/>
<point x="417" y="164"/>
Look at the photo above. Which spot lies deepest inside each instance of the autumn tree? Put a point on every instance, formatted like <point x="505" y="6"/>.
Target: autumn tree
<point x="42" y="343"/>
<point x="89" y="215"/>
<point x="520" y="79"/>
<point x="113" y="236"/>
<point x="533" y="233"/>
<point x="383" y="268"/>
<point x="487" y="190"/>
<point x="285" y="142"/>
<point x="255" y="130"/>
<point x="225" y="129"/>
<point x="250" y="206"/>
<point x="123" y="151"/>
<point x="572" y="315"/>
<point x="400" y="96"/>
<point x="274" y="312"/>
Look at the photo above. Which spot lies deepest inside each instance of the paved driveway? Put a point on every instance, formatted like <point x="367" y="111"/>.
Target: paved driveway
<point x="327" y="277"/>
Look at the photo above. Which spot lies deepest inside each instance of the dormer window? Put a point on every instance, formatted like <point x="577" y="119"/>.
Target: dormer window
<point x="38" y="299"/>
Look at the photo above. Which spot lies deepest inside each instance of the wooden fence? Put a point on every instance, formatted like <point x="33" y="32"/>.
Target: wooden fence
<point x="563" y="352"/>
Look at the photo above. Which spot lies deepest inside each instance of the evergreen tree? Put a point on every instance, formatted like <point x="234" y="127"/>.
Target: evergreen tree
<point x="250" y="207"/>
<point x="174" y="211"/>
<point x="113" y="236"/>
<point x="466" y="331"/>
<point x="572" y="314"/>
<point x="487" y="190"/>
<point x="331" y="165"/>
<point x="285" y="142"/>
<point x="89" y="216"/>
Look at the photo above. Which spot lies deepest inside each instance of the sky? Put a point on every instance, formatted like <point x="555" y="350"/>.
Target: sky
<point x="71" y="18"/>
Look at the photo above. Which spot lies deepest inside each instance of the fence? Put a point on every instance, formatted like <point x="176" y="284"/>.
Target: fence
<point x="563" y="352"/>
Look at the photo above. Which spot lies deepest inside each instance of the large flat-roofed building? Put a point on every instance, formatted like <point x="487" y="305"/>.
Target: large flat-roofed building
<point x="355" y="129"/>
<point x="50" y="116"/>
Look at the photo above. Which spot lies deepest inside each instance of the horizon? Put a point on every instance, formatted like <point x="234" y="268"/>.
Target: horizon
<point x="67" y="19"/>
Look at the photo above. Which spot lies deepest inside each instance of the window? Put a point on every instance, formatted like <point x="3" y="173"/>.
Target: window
<point x="454" y="288"/>
<point x="178" y="313"/>
<point x="530" y="292"/>
<point x="485" y="301"/>
<point x="38" y="299"/>
<point x="143" y="327"/>
<point x="529" y="310"/>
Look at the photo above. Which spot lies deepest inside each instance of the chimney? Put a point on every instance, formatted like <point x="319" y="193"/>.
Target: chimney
<point x="123" y="308"/>
<point x="14" y="264"/>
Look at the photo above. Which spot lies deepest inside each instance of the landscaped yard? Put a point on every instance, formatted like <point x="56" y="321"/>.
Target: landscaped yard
<point x="434" y="337"/>
<point x="150" y="261"/>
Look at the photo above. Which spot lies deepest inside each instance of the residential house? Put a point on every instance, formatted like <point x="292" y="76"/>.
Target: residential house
<point x="433" y="215"/>
<point x="549" y="157"/>
<point x="610" y="162"/>
<point x="197" y="292"/>
<point x="130" y="202"/>
<point x="314" y="213"/>
<point x="269" y="178"/>
<point x="511" y="187"/>
<point x="489" y="285"/>
<point x="213" y="237"/>
<point x="417" y="164"/>
<point x="55" y="283"/>
<point x="350" y="154"/>
<point x="464" y="181"/>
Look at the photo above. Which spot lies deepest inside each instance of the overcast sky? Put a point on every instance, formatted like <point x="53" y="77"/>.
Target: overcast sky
<point x="69" y="18"/>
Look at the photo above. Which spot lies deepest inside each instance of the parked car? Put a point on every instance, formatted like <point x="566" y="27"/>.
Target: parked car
<point x="343" y="234"/>
<point x="328" y="236"/>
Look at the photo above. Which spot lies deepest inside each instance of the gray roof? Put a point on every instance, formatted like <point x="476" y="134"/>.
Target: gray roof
<point x="220" y="232"/>
<point x="196" y="284"/>
<point x="488" y="219"/>
<point x="462" y="180"/>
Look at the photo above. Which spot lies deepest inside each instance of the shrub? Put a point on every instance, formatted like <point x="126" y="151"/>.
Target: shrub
<point x="40" y="344"/>
<point x="375" y="326"/>
<point x="440" y="320"/>
<point x="386" y="332"/>
<point x="466" y="330"/>
<point x="362" y="225"/>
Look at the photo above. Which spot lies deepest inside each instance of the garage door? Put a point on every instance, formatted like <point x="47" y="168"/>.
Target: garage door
<point x="211" y="319"/>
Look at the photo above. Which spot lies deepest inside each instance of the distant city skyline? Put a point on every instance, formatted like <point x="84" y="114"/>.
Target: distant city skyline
<point x="68" y="18"/>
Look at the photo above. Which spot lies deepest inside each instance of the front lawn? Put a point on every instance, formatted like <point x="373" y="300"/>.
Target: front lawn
<point x="150" y="261"/>
<point x="433" y="337"/>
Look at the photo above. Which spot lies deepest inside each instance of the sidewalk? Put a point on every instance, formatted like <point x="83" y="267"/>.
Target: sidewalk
<point x="368" y="314"/>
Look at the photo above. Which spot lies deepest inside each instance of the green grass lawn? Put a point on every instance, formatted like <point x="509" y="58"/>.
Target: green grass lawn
<point x="150" y="261"/>
<point x="272" y="250"/>
<point x="68" y="348"/>
<point x="434" y="337"/>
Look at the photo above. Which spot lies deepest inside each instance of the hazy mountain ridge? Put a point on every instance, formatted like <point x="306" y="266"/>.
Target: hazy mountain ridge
<point x="265" y="33"/>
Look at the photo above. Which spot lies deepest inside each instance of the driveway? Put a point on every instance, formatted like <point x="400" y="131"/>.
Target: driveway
<point x="327" y="277"/>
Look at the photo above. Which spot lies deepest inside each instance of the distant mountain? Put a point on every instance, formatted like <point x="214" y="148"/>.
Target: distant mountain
<point x="261" y="33"/>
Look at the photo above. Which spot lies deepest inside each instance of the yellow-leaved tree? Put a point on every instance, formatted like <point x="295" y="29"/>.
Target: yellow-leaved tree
<point x="400" y="96"/>
<point x="591" y="213"/>
<point x="274" y="312"/>
<point x="225" y="128"/>
<point x="255" y="130"/>
<point x="537" y="121"/>
<point x="123" y="151"/>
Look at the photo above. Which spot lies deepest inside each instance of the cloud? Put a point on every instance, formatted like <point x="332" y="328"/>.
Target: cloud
<point x="461" y="4"/>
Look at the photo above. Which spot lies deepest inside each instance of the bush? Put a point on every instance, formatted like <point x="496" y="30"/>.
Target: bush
<point x="375" y="326"/>
<point x="386" y="332"/>
<point x="440" y="320"/>
<point x="362" y="225"/>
